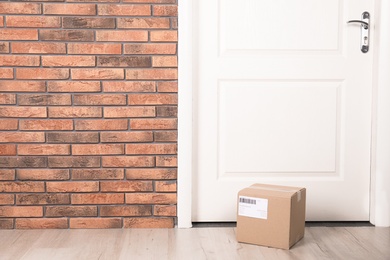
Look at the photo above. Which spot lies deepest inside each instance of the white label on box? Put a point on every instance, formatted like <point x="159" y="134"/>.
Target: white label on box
<point x="253" y="207"/>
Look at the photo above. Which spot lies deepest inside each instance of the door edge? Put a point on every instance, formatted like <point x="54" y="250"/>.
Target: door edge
<point x="185" y="114"/>
<point x="380" y="161"/>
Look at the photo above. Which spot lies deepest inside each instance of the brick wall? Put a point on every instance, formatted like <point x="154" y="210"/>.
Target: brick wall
<point x="88" y="113"/>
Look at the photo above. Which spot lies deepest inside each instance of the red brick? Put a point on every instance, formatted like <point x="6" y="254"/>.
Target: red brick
<point x="19" y="60"/>
<point x="99" y="100"/>
<point x="38" y="112"/>
<point x="81" y="22"/>
<point x="42" y="199"/>
<point x="167" y="111"/>
<point x="156" y="48"/>
<point x="42" y="73"/>
<point x="166" y="161"/>
<point x="6" y="73"/>
<point x="124" y="61"/>
<point x="122" y="36"/>
<point x="21" y="211"/>
<point x="98" y="198"/>
<point x="73" y="86"/>
<point x="150" y="1"/>
<point x="42" y="174"/>
<point x="97" y="174"/>
<point x="163" y="36"/>
<point x="150" y="174"/>
<point x="66" y="35"/>
<point x="165" y="210"/>
<point x="68" y="61"/>
<point x="94" y="48"/>
<point x="6" y="223"/>
<point x="152" y="99"/>
<point x="21" y="137"/>
<point x="97" y="74"/>
<point x="34" y="21"/>
<point x="95" y="223"/>
<point x="74" y="112"/>
<point x="165" y="186"/>
<point x="4" y="47"/>
<point x="7" y="174"/>
<point x="129" y="86"/>
<point x="22" y="86"/>
<point x="148" y="223"/>
<point x="7" y="99"/>
<point x="126" y="186"/>
<point x="151" y="149"/>
<point x="19" y="34"/>
<point x="1" y="21"/>
<point x="167" y="86"/>
<point x="97" y="149"/>
<point x="174" y="23"/>
<point x="128" y="161"/>
<point x="46" y="125"/>
<point x="146" y="124"/>
<point x="70" y="9"/>
<point x="126" y="137"/>
<point x="114" y="112"/>
<point x="165" y="10"/>
<point x="71" y="211"/>
<point x="45" y="0"/>
<point x="90" y="186"/>
<point x="150" y="198"/>
<point x="44" y="100"/>
<point x="25" y="186"/>
<point x="123" y="89"/>
<point x="124" y="10"/>
<point x="151" y="74"/>
<point x="38" y="47"/>
<point x="23" y="162"/>
<point x="74" y="162"/>
<point x="43" y="223"/>
<point x="165" y="136"/>
<point x="72" y="137"/>
<point x="20" y="8"/>
<point x="100" y="1"/>
<point x="7" y="149"/>
<point x="144" y="23"/>
<point x="7" y="199"/>
<point x="8" y="124"/>
<point x="125" y="211"/>
<point x="43" y="149"/>
<point x="164" y="61"/>
<point x="104" y="124"/>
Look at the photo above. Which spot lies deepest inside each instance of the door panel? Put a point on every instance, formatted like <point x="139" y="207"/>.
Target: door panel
<point x="257" y="25"/>
<point x="283" y="96"/>
<point x="274" y="127"/>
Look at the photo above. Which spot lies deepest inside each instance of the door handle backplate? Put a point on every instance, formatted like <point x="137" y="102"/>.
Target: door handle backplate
<point x="364" y="31"/>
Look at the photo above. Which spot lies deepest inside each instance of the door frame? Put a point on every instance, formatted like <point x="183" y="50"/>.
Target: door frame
<point x="380" y="148"/>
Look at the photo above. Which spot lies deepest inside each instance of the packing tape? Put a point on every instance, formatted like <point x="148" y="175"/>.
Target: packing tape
<point x="275" y="189"/>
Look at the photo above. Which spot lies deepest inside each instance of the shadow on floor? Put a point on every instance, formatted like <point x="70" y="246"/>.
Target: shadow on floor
<point x="308" y="224"/>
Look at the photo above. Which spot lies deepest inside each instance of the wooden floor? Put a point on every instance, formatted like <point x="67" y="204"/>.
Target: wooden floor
<point x="368" y="243"/>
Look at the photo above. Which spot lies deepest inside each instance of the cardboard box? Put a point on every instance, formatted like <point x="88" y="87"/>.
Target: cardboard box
<point x="271" y="215"/>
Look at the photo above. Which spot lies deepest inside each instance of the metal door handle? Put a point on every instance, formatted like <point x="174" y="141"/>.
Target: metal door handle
<point x="362" y="22"/>
<point x="364" y="31"/>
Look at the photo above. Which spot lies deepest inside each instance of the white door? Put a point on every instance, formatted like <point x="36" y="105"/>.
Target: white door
<point x="283" y="96"/>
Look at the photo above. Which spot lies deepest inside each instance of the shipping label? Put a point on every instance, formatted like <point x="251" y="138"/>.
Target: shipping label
<point x="253" y="207"/>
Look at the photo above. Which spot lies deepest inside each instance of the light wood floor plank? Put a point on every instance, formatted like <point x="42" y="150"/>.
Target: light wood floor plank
<point x="198" y="243"/>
